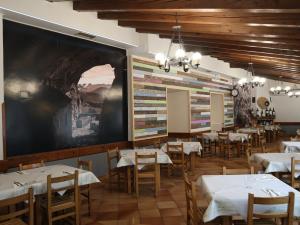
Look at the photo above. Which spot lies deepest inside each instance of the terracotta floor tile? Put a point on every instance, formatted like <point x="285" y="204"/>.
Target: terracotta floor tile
<point x="147" y="205"/>
<point x="170" y="212"/>
<point x="166" y="205"/>
<point x="149" y="213"/>
<point x="152" y="221"/>
<point x="173" y="220"/>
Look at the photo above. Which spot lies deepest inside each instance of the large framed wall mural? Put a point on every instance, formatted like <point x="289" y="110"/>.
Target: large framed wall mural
<point x="61" y="91"/>
<point x="148" y="98"/>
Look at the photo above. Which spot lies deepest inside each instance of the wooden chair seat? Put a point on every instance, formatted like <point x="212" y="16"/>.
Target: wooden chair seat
<point x="15" y="221"/>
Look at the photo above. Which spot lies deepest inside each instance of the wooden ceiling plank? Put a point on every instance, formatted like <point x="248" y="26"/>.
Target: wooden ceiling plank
<point x="191" y="5"/>
<point x="215" y="29"/>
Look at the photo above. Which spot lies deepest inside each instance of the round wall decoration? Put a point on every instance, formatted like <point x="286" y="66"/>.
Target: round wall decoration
<point x="263" y="102"/>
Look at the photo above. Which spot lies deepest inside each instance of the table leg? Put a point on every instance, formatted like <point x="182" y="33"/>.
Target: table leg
<point x="129" y="180"/>
<point x="227" y="220"/>
<point x="37" y="210"/>
<point x="193" y="160"/>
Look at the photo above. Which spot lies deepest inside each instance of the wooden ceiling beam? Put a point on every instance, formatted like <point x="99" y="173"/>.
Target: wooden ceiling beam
<point x="205" y="18"/>
<point x="216" y="29"/>
<point x="191" y="5"/>
<point x="246" y="38"/>
<point x="263" y="46"/>
<point x="246" y="50"/>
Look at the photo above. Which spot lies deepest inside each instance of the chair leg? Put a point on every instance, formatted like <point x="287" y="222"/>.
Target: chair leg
<point x="136" y="186"/>
<point x="89" y="202"/>
<point x="169" y="170"/>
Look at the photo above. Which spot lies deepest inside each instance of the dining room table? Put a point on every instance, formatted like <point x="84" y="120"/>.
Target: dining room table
<point x="275" y="162"/>
<point x="190" y="148"/>
<point x="233" y="137"/>
<point x="16" y="183"/>
<point x="290" y="146"/>
<point x="127" y="159"/>
<point x="228" y="194"/>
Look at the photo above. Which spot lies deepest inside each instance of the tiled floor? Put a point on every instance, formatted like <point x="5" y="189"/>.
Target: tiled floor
<point x="113" y="207"/>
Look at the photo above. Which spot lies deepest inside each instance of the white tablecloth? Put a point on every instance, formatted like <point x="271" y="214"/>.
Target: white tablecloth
<point x="128" y="156"/>
<point x="228" y="194"/>
<point x="290" y="146"/>
<point x="37" y="179"/>
<point x="275" y="162"/>
<point x="188" y="147"/>
<point x="232" y="136"/>
<point x="250" y="130"/>
<point x="272" y="127"/>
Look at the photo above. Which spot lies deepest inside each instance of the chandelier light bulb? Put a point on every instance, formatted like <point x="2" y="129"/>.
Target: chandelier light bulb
<point x="161" y="58"/>
<point x="196" y="56"/>
<point x="287" y="88"/>
<point x="242" y="81"/>
<point x="297" y="93"/>
<point x="278" y="88"/>
<point x="180" y="53"/>
<point x="272" y="89"/>
<point x="262" y="80"/>
<point x="256" y="79"/>
<point x="290" y="94"/>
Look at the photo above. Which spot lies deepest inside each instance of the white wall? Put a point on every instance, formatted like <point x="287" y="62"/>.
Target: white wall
<point x="287" y="109"/>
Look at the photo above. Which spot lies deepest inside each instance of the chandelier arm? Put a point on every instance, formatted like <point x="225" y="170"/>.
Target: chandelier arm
<point x="170" y="45"/>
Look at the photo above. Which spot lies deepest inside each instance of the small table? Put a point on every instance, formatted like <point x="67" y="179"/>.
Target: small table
<point x="232" y="136"/>
<point x="37" y="179"/>
<point x="290" y="146"/>
<point x="189" y="148"/>
<point x="228" y="194"/>
<point x="250" y="130"/>
<point x="275" y="162"/>
<point x="127" y="159"/>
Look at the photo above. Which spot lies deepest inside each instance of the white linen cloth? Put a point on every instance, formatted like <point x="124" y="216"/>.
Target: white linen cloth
<point x="272" y="127"/>
<point x="232" y="136"/>
<point x="127" y="157"/>
<point x="228" y="194"/>
<point x="250" y="130"/>
<point x="188" y="147"/>
<point x="290" y="146"/>
<point x="17" y="183"/>
<point x="275" y="162"/>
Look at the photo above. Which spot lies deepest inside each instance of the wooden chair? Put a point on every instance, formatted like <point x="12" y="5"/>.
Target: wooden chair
<point x="262" y="141"/>
<point x="3" y="166"/>
<point x="59" y="207"/>
<point x="257" y="166"/>
<point x="146" y="171"/>
<point x="245" y="146"/>
<point x="31" y="166"/>
<point x="225" y="145"/>
<point x="295" y="182"/>
<point x="85" y="191"/>
<point x="156" y="143"/>
<point x="207" y="146"/>
<point x="193" y="211"/>
<point x="268" y="217"/>
<point x="238" y="171"/>
<point x="113" y="156"/>
<point x="176" y="154"/>
<point x="12" y="218"/>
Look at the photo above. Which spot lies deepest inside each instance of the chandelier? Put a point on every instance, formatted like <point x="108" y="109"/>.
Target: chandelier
<point x="181" y="59"/>
<point x="294" y="92"/>
<point x="253" y="81"/>
<point x="280" y="89"/>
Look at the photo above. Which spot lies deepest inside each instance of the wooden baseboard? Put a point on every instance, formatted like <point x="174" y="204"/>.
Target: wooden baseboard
<point x="63" y="153"/>
<point x="288" y="123"/>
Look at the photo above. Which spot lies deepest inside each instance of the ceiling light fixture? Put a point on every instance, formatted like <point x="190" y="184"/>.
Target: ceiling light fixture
<point x="253" y="81"/>
<point x="180" y="60"/>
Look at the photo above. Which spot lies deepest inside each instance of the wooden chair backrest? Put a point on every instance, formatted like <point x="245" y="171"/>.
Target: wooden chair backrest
<point x="295" y="167"/>
<point x="85" y="165"/>
<point x="145" y="159"/>
<point x="156" y="143"/>
<point x="297" y="138"/>
<point x="223" y="136"/>
<point x="3" y="166"/>
<point x="72" y="187"/>
<point x="31" y="166"/>
<point x="288" y="214"/>
<point x="176" y="153"/>
<point x="112" y="155"/>
<point x="238" y="171"/>
<point x="191" y="200"/>
<point x="19" y="212"/>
